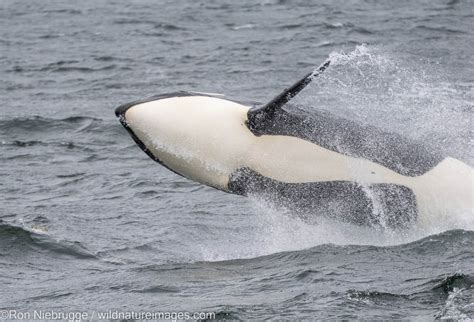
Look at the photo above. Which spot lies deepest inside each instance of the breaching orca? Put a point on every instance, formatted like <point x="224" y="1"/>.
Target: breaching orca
<point x="315" y="164"/>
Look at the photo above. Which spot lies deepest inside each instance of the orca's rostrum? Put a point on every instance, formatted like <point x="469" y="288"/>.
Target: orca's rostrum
<point x="318" y="163"/>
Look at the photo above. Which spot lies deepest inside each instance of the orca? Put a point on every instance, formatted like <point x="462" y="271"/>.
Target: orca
<point x="315" y="164"/>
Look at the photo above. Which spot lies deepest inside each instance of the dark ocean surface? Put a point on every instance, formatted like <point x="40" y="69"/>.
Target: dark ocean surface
<point x="89" y="222"/>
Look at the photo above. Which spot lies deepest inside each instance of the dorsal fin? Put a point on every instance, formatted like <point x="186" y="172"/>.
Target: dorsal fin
<point x="264" y="113"/>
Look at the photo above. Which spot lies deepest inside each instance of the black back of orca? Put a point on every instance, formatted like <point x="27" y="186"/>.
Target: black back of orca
<point x="390" y="150"/>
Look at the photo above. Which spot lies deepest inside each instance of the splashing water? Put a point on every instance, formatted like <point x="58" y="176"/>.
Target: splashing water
<point x="274" y="230"/>
<point x="370" y="87"/>
<point x="406" y="95"/>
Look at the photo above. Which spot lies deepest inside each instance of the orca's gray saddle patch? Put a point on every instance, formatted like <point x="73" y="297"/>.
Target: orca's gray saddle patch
<point x="390" y="150"/>
<point x="378" y="205"/>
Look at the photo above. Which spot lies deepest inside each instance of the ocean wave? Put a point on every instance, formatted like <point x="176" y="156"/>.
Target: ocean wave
<point x="41" y="123"/>
<point x="60" y="66"/>
<point x="449" y="283"/>
<point x="42" y="126"/>
<point x="18" y="241"/>
<point x="440" y="29"/>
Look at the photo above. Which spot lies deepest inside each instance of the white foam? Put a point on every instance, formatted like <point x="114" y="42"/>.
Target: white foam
<point x="453" y="310"/>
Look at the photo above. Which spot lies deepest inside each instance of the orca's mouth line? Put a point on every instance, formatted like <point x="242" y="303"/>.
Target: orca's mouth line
<point x="120" y="113"/>
<point x="139" y="142"/>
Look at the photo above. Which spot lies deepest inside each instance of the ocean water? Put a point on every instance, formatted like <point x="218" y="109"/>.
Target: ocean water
<point x="89" y="223"/>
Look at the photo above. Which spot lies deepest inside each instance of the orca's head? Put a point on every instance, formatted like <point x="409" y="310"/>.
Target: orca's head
<point x="195" y="135"/>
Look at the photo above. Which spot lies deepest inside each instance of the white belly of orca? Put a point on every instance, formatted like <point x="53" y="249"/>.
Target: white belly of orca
<point x="207" y="139"/>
